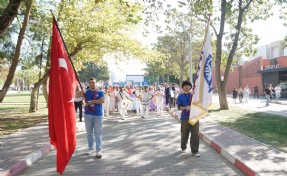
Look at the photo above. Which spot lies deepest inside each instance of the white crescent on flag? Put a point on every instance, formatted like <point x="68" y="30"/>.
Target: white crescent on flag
<point x="63" y="63"/>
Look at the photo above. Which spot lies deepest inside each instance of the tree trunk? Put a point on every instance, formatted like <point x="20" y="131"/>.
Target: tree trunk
<point x="45" y="91"/>
<point x="8" y="15"/>
<point x="181" y="67"/>
<point x="222" y="98"/>
<point x="16" y="56"/>
<point x="219" y="82"/>
<point x="33" y="101"/>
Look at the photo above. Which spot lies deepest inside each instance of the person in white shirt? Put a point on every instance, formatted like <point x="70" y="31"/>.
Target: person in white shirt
<point x="176" y="93"/>
<point x="246" y="92"/>
<point x="121" y="95"/>
<point x="159" y="101"/>
<point x="277" y="90"/>
<point x="112" y="100"/>
<point x="78" y="102"/>
<point x="107" y="102"/>
<point x="138" y="99"/>
<point x="145" y="98"/>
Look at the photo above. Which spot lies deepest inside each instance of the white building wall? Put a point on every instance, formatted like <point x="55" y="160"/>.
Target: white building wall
<point x="270" y="51"/>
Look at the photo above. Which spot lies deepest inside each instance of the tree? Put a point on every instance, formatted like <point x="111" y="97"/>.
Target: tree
<point x="91" y="70"/>
<point x="89" y="36"/>
<point x="8" y="15"/>
<point x="236" y="40"/>
<point x="235" y="15"/>
<point x="28" y="77"/>
<point x="15" y="59"/>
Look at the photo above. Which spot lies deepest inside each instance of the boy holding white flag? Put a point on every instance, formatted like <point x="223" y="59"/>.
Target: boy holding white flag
<point x="183" y="102"/>
<point x="195" y="105"/>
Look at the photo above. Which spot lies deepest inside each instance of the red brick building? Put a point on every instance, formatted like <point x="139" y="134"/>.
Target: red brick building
<point x="259" y="71"/>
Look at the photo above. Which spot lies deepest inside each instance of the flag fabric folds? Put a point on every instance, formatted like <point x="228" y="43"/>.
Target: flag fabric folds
<point x="202" y="97"/>
<point x="61" y="111"/>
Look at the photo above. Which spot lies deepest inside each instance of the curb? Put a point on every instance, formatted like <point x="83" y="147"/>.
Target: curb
<point x="224" y="152"/>
<point x="27" y="161"/>
<point x="24" y="163"/>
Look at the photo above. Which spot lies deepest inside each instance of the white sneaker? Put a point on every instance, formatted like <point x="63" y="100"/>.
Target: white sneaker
<point x="196" y="154"/>
<point x="183" y="151"/>
<point x="90" y="152"/>
<point x="99" y="154"/>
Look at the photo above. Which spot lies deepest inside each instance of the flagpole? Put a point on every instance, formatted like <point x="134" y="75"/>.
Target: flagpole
<point x="54" y="19"/>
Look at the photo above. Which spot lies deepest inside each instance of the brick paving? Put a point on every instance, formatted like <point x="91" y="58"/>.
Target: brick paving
<point x="138" y="146"/>
<point x="20" y="144"/>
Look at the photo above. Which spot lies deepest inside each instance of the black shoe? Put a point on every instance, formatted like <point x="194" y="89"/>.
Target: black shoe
<point x="142" y="116"/>
<point x="80" y="120"/>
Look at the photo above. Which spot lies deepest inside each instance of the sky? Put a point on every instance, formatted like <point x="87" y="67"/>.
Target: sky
<point x="268" y="31"/>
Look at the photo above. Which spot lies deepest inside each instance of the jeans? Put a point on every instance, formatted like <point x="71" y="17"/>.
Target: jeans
<point x="267" y="100"/>
<point x="94" y="125"/>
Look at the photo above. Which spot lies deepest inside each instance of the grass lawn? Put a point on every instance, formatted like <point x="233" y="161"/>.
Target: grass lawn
<point x="14" y="117"/>
<point x="21" y="97"/>
<point x="266" y="128"/>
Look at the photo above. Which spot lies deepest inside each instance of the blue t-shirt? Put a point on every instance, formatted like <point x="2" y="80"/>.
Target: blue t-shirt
<point x="97" y="109"/>
<point x="184" y="100"/>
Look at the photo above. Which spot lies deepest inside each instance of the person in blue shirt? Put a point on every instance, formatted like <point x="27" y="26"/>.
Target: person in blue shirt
<point x="183" y="102"/>
<point x="94" y="98"/>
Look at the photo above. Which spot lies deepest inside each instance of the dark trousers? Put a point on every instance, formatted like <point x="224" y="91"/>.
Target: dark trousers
<point x="187" y="128"/>
<point x="170" y="102"/>
<point x="256" y="94"/>
<point x="78" y="105"/>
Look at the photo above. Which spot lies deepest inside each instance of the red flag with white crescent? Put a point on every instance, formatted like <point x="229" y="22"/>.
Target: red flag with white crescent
<point x="61" y="113"/>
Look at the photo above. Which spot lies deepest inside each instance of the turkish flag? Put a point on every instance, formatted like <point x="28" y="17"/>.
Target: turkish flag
<point x="61" y="114"/>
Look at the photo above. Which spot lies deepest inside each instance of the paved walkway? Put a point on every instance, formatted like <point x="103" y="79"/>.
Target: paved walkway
<point x="137" y="146"/>
<point x="258" y="105"/>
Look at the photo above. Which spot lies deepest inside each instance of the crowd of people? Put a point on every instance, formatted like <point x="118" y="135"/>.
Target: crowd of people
<point x="269" y="92"/>
<point x="144" y="99"/>
<point x="99" y="101"/>
<point x="241" y="93"/>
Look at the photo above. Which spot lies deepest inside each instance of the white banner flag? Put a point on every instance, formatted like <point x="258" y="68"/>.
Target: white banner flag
<point x="202" y="96"/>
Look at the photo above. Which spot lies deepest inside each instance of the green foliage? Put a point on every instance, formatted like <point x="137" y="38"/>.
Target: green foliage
<point x="3" y="5"/>
<point x="93" y="30"/>
<point x="89" y="70"/>
<point x="28" y="77"/>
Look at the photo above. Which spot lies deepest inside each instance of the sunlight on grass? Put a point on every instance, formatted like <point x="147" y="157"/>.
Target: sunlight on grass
<point x="14" y="117"/>
<point x="21" y="97"/>
<point x="266" y="128"/>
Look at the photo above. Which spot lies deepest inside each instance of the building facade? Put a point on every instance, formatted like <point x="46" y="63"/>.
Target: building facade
<point x="270" y="69"/>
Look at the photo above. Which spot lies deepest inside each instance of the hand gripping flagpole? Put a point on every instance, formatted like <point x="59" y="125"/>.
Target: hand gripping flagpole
<point x="55" y="21"/>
